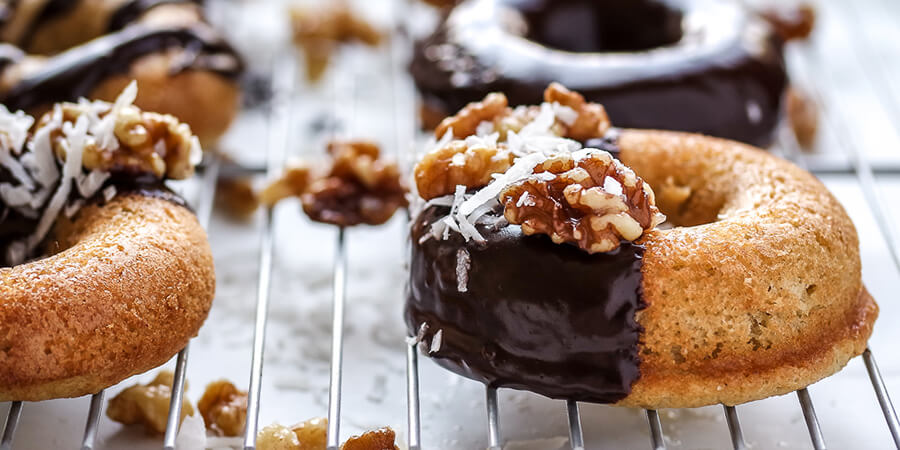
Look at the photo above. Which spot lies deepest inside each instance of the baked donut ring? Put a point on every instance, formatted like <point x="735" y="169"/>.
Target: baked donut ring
<point x="94" y="48"/>
<point x="690" y="65"/>
<point x="123" y="275"/>
<point x="754" y="291"/>
<point x="130" y="283"/>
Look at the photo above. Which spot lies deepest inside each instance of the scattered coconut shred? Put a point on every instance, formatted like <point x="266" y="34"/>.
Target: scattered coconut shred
<point x="42" y="184"/>
<point x="531" y="146"/>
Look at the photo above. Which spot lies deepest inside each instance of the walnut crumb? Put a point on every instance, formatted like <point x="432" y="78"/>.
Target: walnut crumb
<point x="466" y="121"/>
<point x="359" y="187"/>
<point x="312" y="435"/>
<point x="292" y="183"/>
<point x="380" y="439"/>
<point x="803" y="114"/>
<point x="147" y="404"/>
<point x="792" y="21"/>
<point x="224" y="408"/>
<point x="591" y="121"/>
<point x="145" y="143"/>
<point x="586" y="198"/>
<point x="440" y="171"/>
<point x="236" y="197"/>
<point x="320" y="31"/>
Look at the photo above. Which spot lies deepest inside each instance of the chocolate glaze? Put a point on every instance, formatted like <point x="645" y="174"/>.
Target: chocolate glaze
<point x="725" y="79"/>
<point x="538" y="316"/>
<point x="76" y="72"/>
<point x="132" y="10"/>
<point x="52" y="9"/>
<point x="14" y="226"/>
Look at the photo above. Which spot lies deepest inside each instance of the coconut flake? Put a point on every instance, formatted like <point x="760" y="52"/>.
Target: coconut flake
<point x="522" y="168"/>
<point x="565" y="114"/>
<point x="192" y="434"/>
<point x="109" y="193"/>
<point x="436" y="342"/>
<point x="15" y="128"/>
<point x="463" y="264"/>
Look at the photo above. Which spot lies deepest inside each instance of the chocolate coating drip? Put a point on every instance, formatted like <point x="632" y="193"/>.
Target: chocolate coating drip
<point x="132" y="10"/>
<point x="76" y="72"/>
<point x="536" y="315"/>
<point x="724" y="77"/>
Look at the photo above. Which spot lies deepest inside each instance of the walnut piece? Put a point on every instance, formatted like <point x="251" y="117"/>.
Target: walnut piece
<point x="359" y="187"/>
<point x="147" y="404"/>
<point x="292" y="183"/>
<point x="791" y="21"/>
<point x="803" y="114"/>
<point x="146" y="143"/>
<point x="440" y="171"/>
<point x="236" y="197"/>
<point x="380" y="439"/>
<point x="320" y="31"/>
<point x="312" y="435"/>
<point x="586" y="198"/>
<point x="224" y="408"/>
<point x="466" y="121"/>
<point x="591" y="122"/>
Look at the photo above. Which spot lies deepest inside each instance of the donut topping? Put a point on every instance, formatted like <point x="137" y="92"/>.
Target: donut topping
<point x="525" y="162"/>
<point x="587" y="198"/>
<point x="79" y="151"/>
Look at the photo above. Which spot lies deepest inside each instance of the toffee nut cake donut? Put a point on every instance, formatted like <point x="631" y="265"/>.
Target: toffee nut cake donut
<point x="108" y="274"/>
<point x="704" y="66"/>
<point x="537" y="263"/>
<point x="63" y="50"/>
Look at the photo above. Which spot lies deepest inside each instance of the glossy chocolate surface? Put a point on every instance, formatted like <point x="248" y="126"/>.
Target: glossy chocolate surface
<point x="132" y="10"/>
<point x="724" y="78"/>
<point x="536" y="315"/>
<point x="76" y="72"/>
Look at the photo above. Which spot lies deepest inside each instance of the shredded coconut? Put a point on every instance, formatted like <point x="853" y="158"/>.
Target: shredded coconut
<point x="463" y="264"/>
<point x="436" y="342"/>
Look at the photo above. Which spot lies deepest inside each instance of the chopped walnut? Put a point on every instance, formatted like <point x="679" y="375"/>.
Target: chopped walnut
<point x="591" y="121"/>
<point x="792" y="21"/>
<point x="309" y="435"/>
<point x="359" y="187"/>
<point x="440" y="171"/>
<point x="292" y="183"/>
<point x="466" y="121"/>
<point x="803" y="114"/>
<point x="586" y="198"/>
<point x="442" y="3"/>
<point x="380" y="439"/>
<point x="236" y="197"/>
<point x="143" y="142"/>
<point x="224" y="408"/>
<point x="320" y="31"/>
<point x="147" y="404"/>
<point x="312" y="435"/>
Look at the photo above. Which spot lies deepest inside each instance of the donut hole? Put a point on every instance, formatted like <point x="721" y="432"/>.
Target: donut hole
<point x="585" y="26"/>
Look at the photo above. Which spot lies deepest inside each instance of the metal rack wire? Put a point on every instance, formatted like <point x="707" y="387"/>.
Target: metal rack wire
<point x="277" y="141"/>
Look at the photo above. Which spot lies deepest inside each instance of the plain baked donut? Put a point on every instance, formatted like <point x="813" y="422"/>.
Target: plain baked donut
<point x="690" y="65"/>
<point x="130" y="283"/>
<point x="94" y="48"/>
<point x="104" y="273"/>
<point x="755" y="291"/>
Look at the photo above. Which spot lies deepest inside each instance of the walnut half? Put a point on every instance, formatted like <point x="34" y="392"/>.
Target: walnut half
<point x="586" y="198"/>
<point x="359" y="187"/>
<point x="147" y="404"/>
<point x="224" y="408"/>
<point x="440" y="171"/>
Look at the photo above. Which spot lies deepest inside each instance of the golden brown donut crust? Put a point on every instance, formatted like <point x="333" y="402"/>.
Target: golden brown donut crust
<point x="763" y="296"/>
<point x="130" y="284"/>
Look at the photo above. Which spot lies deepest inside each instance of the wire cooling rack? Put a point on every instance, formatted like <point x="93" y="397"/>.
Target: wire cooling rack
<point x="806" y="68"/>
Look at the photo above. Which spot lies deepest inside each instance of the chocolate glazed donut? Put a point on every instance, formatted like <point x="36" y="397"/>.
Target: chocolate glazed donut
<point x="691" y="65"/>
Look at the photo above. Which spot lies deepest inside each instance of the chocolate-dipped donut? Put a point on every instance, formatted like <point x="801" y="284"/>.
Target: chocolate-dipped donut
<point x="754" y="291"/>
<point x="690" y="65"/>
<point x="94" y="48"/>
<point x="105" y="273"/>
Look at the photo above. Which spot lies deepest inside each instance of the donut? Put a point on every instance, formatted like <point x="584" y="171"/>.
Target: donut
<point x="107" y="273"/>
<point x="62" y="50"/>
<point x="701" y="66"/>
<point x="536" y="278"/>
